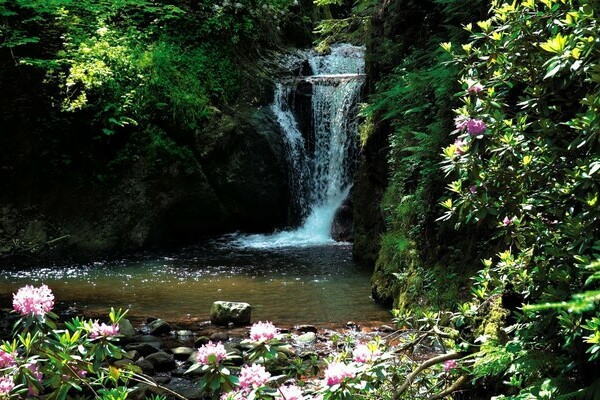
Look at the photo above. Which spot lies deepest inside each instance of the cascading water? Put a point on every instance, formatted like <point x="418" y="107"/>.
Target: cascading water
<point x="322" y="177"/>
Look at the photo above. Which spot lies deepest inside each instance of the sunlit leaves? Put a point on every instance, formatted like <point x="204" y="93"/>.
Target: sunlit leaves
<point x="540" y="160"/>
<point x="556" y="44"/>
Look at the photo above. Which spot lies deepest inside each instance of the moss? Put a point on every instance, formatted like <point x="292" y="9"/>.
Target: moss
<point x="493" y="320"/>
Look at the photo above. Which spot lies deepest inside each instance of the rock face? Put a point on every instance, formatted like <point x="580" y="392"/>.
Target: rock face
<point x="224" y="312"/>
<point x="233" y="178"/>
<point x="371" y="178"/>
<point x="342" y="226"/>
<point x="246" y="166"/>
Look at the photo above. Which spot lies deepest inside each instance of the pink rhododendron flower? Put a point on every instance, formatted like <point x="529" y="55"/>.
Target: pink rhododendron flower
<point x="475" y="88"/>
<point x="103" y="330"/>
<point x="6" y="384"/>
<point x="211" y="349"/>
<point x="476" y="127"/>
<point x="262" y="331"/>
<point x="253" y="376"/>
<point x="291" y="392"/>
<point x="37" y="374"/>
<point x="508" y="221"/>
<point x="461" y="121"/>
<point x="7" y="359"/>
<point x="235" y="395"/>
<point x="35" y="371"/>
<point x="449" y="365"/>
<point x="363" y="354"/>
<point x="31" y="300"/>
<point x="460" y="146"/>
<point x="74" y="371"/>
<point x="336" y="372"/>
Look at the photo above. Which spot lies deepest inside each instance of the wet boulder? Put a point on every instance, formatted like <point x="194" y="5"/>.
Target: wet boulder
<point x="224" y="312"/>
<point x="158" y="327"/>
<point x="162" y="361"/>
<point x="342" y="226"/>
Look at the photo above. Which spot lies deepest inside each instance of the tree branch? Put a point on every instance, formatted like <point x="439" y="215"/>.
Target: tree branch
<point x="424" y="366"/>
<point x="449" y="390"/>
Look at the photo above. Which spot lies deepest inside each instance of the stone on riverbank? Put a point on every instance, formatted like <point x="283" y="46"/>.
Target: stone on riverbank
<point x="145" y="349"/>
<point x="224" y="312"/>
<point x="126" y="329"/>
<point x="182" y="353"/>
<point x="159" y="327"/>
<point x="307" y="338"/>
<point x="162" y="361"/>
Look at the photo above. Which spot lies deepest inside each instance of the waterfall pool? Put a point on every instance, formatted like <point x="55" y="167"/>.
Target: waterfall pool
<point x="289" y="277"/>
<point x="317" y="285"/>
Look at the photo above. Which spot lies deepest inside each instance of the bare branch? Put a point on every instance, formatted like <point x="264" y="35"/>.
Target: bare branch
<point x="449" y="390"/>
<point x="429" y="363"/>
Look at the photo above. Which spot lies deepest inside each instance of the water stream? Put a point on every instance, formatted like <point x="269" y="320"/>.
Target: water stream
<point x="321" y="176"/>
<point x="317" y="285"/>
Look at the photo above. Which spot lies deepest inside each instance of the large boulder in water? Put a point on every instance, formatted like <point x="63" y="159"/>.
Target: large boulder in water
<point x="224" y="312"/>
<point x="342" y="228"/>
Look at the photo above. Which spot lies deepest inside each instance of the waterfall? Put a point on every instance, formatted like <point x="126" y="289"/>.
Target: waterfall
<point x="322" y="160"/>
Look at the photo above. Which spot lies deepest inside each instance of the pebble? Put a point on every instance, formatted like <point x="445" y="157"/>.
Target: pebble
<point x="159" y="327"/>
<point x="145" y="349"/>
<point x="201" y="341"/>
<point x="146" y="366"/>
<point x="162" y="361"/>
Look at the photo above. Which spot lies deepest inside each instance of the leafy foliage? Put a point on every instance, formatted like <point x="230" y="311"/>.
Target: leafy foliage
<point x="524" y="165"/>
<point x="416" y="99"/>
<point x="113" y="70"/>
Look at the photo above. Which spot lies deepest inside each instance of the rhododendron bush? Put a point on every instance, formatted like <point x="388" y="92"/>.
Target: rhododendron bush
<point x="45" y="361"/>
<point x="526" y="164"/>
<point x="77" y="362"/>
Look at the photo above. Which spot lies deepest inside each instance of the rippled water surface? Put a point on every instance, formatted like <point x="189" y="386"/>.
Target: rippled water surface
<point x="286" y="285"/>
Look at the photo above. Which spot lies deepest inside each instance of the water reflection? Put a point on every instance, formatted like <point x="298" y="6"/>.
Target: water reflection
<point x="295" y="285"/>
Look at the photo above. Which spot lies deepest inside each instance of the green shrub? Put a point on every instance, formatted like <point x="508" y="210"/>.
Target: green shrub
<point x="525" y="164"/>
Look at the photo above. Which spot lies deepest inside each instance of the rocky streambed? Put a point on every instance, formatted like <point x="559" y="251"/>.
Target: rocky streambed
<point x="164" y="352"/>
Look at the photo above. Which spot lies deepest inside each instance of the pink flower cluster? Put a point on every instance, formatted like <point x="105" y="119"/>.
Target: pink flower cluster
<point x="236" y="395"/>
<point x="7" y="360"/>
<point x="262" y="331"/>
<point x="461" y="121"/>
<point x="253" y="376"/>
<point x="475" y="88"/>
<point x="6" y="384"/>
<point x="473" y="126"/>
<point x="461" y="146"/>
<point x="476" y="127"/>
<point x="37" y="374"/>
<point x="103" y="330"/>
<point x="336" y="372"/>
<point x="211" y="349"/>
<point x="291" y="392"/>
<point x="31" y="300"/>
<point x="449" y="365"/>
<point x="363" y="353"/>
<point x="508" y="221"/>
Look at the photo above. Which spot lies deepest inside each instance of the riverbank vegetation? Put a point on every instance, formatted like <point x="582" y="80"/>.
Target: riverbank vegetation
<point x="511" y="97"/>
<point x="480" y="133"/>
